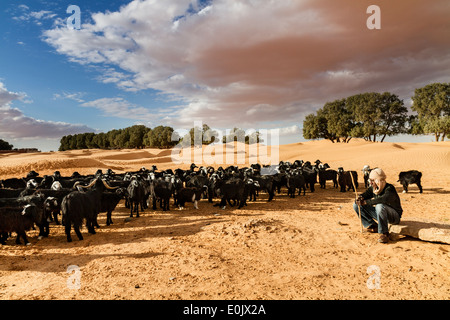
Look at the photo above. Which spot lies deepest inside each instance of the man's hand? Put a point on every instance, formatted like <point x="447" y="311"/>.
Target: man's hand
<point x="360" y="201"/>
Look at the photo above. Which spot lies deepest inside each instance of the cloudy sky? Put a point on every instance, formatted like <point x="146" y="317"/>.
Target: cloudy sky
<point x="255" y="64"/>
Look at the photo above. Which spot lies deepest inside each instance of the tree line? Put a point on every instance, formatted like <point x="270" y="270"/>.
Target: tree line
<point x="373" y="116"/>
<point x="140" y="136"/>
<point x="137" y="136"/>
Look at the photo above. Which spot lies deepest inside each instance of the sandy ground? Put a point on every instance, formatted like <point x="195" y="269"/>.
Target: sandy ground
<point x="309" y="247"/>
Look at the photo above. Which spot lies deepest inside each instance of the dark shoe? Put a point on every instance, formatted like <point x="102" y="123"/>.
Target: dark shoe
<point x="384" y="238"/>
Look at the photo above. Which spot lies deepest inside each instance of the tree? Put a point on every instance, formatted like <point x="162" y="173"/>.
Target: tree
<point x="80" y="142"/>
<point x="339" y="120"/>
<point x="122" y="140"/>
<point x="64" y="143"/>
<point x="146" y="138"/>
<point x="205" y="135"/>
<point x="160" y="137"/>
<point x="72" y="142"/>
<point x="137" y="134"/>
<point x="364" y="108"/>
<point x="316" y="127"/>
<point x="112" y="138"/>
<point x="237" y="134"/>
<point x="5" y="145"/>
<point x="392" y="117"/>
<point x="432" y="103"/>
<point x="90" y="141"/>
<point x="366" y="115"/>
<point x="101" y="140"/>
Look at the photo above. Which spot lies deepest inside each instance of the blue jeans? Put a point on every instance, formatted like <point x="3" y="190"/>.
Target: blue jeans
<point x="381" y="213"/>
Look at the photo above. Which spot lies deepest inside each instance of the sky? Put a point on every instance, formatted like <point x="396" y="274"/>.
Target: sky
<point x="253" y="64"/>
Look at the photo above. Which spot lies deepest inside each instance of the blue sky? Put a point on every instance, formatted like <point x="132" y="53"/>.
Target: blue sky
<point x="251" y="64"/>
<point x="52" y="86"/>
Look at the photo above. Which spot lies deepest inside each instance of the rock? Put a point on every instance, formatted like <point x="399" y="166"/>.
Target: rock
<point x="423" y="230"/>
<point x="128" y="219"/>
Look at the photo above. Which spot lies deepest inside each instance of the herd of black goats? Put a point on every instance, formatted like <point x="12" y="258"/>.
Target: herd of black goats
<point x="36" y="201"/>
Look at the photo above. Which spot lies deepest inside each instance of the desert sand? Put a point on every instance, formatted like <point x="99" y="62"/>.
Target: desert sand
<point x="310" y="247"/>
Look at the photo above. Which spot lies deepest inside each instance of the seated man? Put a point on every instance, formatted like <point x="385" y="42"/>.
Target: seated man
<point x="379" y="202"/>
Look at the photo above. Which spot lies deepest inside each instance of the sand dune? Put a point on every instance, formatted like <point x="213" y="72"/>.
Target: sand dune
<point x="309" y="247"/>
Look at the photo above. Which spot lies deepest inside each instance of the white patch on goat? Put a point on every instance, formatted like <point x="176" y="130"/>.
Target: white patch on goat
<point x="32" y="184"/>
<point x="195" y="204"/>
<point x="25" y="209"/>
<point x="56" y="185"/>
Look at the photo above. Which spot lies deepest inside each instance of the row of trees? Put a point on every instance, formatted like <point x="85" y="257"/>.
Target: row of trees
<point x="374" y="116"/>
<point x="207" y="136"/>
<point x="140" y="136"/>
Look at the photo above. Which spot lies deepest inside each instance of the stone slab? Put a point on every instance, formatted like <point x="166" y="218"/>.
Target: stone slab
<point x="423" y="230"/>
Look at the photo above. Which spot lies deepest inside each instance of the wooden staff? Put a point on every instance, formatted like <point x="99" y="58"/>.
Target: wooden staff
<point x="359" y="207"/>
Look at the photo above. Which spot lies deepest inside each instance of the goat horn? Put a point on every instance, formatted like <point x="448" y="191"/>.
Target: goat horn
<point x="108" y="186"/>
<point x="90" y="185"/>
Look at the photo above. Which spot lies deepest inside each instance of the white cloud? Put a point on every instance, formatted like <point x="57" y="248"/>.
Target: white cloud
<point x="75" y="96"/>
<point x="120" y="108"/>
<point x="246" y="62"/>
<point x="292" y="130"/>
<point x="34" y="16"/>
<point x="14" y="124"/>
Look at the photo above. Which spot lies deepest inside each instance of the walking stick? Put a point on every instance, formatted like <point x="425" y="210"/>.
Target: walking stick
<point x="359" y="207"/>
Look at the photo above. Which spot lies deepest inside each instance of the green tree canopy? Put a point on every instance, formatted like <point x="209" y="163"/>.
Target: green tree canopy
<point x="432" y="104"/>
<point x="137" y="136"/>
<point x="5" y="145"/>
<point x="365" y="115"/>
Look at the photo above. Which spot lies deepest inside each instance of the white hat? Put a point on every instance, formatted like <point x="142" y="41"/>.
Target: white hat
<point x="377" y="174"/>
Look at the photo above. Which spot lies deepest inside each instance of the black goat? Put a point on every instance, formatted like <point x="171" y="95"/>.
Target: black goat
<point x="265" y="184"/>
<point x="366" y="172"/>
<point x="409" y="177"/>
<point x="136" y="196"/>
<point x="162" y="189"/>
<point x="14" y="183"/>
<point x="296" y="181"/>
<point x="79" y="206"/>
<point x="310" y="175"/>
<point x="109" y="202"/>
<point x="19" y="220"/>
<point x="345" y="180"/>
<point x="190" y="194"/>
<point x="232" y="189"/>
<point x="251" y="188"/>
<point x="325" y="175"/>
<point x="52" y="208"/>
